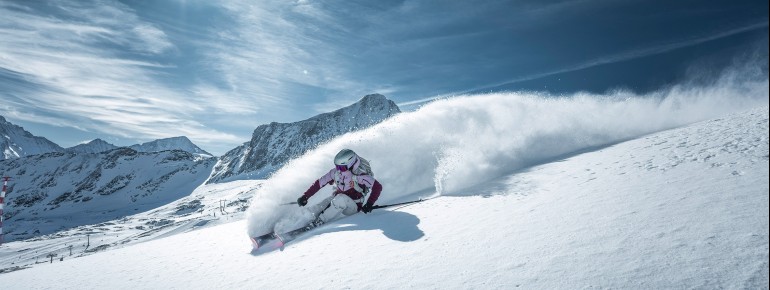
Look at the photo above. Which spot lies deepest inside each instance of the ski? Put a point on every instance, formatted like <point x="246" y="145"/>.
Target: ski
<point x="263" y="240"/>
<point x="274" y="240"/>
<point x="291" y="235"/>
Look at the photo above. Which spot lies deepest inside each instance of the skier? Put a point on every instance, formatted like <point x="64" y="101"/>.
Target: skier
<point x="353" y="181"/>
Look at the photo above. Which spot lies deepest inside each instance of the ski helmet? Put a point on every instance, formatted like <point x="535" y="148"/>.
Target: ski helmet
<point x="346" y="158"/>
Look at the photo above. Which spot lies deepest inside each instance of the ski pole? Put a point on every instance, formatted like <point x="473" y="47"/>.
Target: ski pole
<point x="395" y="204"/>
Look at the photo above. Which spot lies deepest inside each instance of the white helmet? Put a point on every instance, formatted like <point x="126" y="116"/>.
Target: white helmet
<point x="345" y="159"/>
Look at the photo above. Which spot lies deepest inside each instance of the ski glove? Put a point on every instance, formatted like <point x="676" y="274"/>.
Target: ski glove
<point x="302" y="200"/>
<point x="367" y="208"/>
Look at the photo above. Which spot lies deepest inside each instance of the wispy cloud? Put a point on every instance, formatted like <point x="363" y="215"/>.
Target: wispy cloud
<point x="84" y="67"/>
<point x="329" y="53"/>
<point x="282" y="52"/>
<point x="154" y="39"/>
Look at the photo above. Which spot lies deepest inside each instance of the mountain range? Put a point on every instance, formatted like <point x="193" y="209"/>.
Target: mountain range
<point x="17" y="142"/>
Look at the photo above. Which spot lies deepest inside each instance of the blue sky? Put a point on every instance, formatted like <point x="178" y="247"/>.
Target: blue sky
<point x="133" y="71"/>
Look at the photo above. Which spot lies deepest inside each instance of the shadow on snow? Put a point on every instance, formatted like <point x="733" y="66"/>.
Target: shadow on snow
<point x="395" y="225"/>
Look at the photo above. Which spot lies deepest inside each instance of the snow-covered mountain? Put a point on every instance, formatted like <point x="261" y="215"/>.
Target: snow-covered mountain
<point x="622" y="208"/>
<point x="274" y="144"/>
<point x="16" y="142"/>
<point x="173" y="143"/>
<point x="93" y="146"/>
<point x="60" y="190"/>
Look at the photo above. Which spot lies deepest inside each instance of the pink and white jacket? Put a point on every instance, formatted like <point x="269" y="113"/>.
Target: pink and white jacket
<point x="345" y="183"/>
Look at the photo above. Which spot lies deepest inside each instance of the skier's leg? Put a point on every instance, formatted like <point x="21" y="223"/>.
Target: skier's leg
<point x="318" y="208"/>
<point x="350" y="206"/>
<point x="340" y="205"/>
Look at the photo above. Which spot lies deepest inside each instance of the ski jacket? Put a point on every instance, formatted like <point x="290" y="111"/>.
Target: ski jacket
<point x="345" y="183"/>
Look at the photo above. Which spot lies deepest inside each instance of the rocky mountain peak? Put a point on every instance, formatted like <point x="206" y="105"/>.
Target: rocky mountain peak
<point x="173" y="143"/>
<point x="274" y="144"/>
<point x="93" y="146"/>
<point x="16" y="142"/>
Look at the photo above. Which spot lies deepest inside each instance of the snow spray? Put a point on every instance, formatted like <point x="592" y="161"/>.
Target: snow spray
<point x="453" y="146"/>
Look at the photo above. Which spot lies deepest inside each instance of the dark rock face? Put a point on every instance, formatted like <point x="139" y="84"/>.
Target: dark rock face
<point x="274" y="144"/>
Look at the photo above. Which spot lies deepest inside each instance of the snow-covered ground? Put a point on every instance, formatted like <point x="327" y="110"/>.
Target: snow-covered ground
<point x="596" y="193"/>
<point x="207" y="206"/>
<point x="58" y="191"/>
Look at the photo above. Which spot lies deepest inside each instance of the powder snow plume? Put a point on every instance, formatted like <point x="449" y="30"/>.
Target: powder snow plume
<point x="449" y="146"/>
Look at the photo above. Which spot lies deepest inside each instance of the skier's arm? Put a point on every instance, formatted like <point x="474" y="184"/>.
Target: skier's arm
<point x="375" y="187"/>
<point x="312" y="190"/>
<point x="328" y="178"/>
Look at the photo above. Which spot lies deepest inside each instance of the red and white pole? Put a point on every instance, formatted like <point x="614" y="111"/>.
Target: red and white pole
<point x="2" y="205"/>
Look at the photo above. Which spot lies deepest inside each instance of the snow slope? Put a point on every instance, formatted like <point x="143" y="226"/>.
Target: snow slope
<point x="57" y="191"/>
<point x="206" y="206"/>
<point x="682" y="208"/>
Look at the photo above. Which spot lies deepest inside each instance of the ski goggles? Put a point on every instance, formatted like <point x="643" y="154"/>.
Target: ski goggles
<point x="342" y="168"/>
